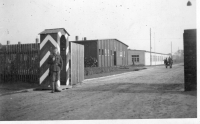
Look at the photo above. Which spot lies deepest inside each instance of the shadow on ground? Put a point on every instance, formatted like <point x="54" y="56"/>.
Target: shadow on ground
<point x="16" y="86"/>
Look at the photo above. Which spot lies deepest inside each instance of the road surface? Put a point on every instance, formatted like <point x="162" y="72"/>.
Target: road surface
<point x="155" y="92"/>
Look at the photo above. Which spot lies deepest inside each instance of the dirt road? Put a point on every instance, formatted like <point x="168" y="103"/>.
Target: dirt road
<point x="152" y="93"/>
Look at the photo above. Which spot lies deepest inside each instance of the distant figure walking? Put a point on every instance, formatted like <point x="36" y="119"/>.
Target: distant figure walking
<point x="56" y="64"/>
<point x="165" y="61"/>
<point x="133" y="61"/>
<point x="168" y="62"/>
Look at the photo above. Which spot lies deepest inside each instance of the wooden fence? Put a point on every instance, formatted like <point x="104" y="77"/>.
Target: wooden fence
<point x="19" y="62"/>
<point x="77" y="63"/>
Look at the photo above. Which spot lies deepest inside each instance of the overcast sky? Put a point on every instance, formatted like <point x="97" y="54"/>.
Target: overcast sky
<point x="126" y="20"/>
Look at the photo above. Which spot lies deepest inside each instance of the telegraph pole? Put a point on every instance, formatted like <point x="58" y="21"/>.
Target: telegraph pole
<point x="154" y="43"/>
<point x="171" y="49"/>
<point x="150" y="46"/>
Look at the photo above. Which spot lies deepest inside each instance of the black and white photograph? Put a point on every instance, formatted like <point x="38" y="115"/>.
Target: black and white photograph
<point x="99" y="61"/>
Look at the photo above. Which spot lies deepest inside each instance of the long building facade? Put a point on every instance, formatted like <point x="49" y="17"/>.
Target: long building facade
<point x="107" y="52"/>
<point x="142" y="57"/>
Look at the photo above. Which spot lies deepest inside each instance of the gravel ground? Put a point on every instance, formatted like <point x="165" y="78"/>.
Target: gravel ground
<point x="153" y="93"/>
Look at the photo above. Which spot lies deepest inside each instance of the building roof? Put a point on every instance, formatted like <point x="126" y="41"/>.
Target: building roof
<point x="55" y="30"/>
<point x="114" y="39"/>
<point x="101" y="39"/>
<point x="149" y="52"/>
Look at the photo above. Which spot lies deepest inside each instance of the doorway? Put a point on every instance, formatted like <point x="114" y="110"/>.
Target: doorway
<point x="115" y="58"/>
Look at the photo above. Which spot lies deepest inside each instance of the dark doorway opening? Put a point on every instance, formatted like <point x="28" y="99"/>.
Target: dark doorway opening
<point x="63" y="55"/>
<point x="115" y="58"/>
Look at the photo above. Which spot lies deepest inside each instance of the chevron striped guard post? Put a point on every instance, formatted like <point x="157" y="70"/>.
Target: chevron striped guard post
<point x="49" y="39"/>
<point x="67" y="61"/>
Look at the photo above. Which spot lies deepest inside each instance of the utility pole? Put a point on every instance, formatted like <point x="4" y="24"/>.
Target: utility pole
<point x="154" y="43"/>
<point x="150" y="47"/>
<point x="171" y="49"/>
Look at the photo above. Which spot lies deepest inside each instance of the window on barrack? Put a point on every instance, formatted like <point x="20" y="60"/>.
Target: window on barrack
<point x="135" y="58"/>
<point x="99" y="51"/>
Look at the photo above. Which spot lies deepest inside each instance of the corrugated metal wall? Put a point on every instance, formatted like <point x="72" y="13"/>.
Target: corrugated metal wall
<point x="106" y="50"/>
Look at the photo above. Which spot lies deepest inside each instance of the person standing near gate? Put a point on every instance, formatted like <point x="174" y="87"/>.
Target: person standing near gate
<point x="56" y="64"/>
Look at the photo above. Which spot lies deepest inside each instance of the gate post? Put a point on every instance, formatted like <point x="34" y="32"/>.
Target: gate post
<point x="49" y="39"/>
<point x="67" y="61"/>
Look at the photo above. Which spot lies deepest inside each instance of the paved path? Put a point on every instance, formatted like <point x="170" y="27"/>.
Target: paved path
<point x="152" y="93"/>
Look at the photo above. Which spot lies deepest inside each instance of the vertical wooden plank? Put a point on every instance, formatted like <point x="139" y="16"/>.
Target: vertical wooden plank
<point x="33" y="62"/>
<point x="30" y="68"/>
<point x="78" y="62"/>
<point x="10" y="75"/>
<point x="75" y="66"/>
<point x="16" y="46"/>
<point x="2" y="64"/>
<point x="4" y="59"/>
<point x="17" y="62"/>
<point x="7" y="59"/>
<point x="8" y="63"/>
<point x="13" y="60"/>
<point x="72" y="64"/>
<point x="29" y="59"/>
<point x="82" y="63"/>
<point x="30" y="65"/>
<point x="28" y="62"/>
<point x="23" y="63"/>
